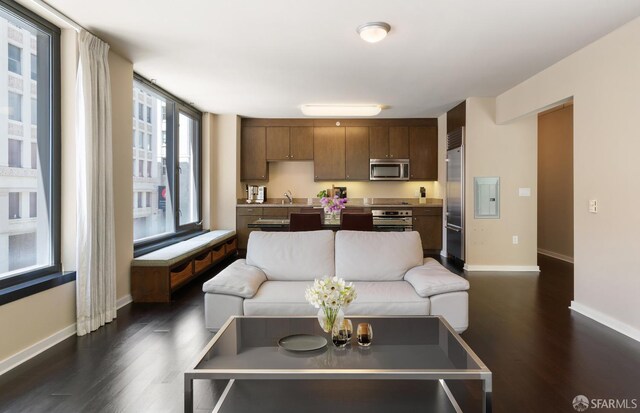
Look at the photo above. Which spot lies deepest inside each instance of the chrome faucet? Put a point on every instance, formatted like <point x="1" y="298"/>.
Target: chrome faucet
<point x="289" y="196"/>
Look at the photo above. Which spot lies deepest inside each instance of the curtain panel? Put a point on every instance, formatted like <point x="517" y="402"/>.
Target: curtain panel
<point x="95" y="244"/>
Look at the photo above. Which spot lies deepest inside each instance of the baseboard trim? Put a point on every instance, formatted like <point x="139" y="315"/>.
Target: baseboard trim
<point x="555" y="255"/>
<point x="122" y="301"/>
<point x="502" y="268"/>
<point x="606" y="320"/>
<point x="443" y="253"/>
<point x="30" y="352"/>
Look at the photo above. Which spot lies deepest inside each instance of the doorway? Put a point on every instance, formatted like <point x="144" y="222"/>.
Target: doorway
<point x="555" y="182"/>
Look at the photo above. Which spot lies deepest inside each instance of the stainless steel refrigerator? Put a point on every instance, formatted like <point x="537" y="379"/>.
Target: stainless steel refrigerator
<point x="455" y="194"/>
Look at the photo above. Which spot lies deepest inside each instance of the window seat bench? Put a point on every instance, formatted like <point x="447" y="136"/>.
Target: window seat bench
<point x="156" y="275"/>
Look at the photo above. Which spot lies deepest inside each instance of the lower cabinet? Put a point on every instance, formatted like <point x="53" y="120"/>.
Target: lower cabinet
<point x="428" y="223"/>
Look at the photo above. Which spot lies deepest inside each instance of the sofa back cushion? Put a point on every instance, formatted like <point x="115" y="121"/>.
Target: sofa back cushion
<point x="292" y="256"/>
<point x="376" y="256"/>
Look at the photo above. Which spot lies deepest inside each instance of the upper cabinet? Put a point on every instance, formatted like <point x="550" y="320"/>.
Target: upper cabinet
<point x="253" y="154"/>
<point x="289" y="143"/>
<point x="389" y="142"/>
<point x="357" y="153"/>
<point x="339" y="148"/>
<point x="423" y="153"/>
<point x="329" y="153"/>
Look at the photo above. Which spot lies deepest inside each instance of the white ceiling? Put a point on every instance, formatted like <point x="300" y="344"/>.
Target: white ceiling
<point x="264" y="58"/>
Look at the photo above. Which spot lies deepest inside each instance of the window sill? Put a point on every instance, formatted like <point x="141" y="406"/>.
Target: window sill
<point x="27" y="288"/>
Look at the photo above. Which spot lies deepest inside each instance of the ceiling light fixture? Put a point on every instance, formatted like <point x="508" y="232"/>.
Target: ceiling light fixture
<point x="373" y="32"/>
<point x="341" y="110"/>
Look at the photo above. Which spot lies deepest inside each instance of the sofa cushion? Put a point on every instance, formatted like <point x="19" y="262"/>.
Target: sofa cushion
<point x="376" y="256"/>
<point x="431" y="278"/>
<point x="286" y="298"/>
<point x="237" y="279"/>
<point x="292" y="256"/>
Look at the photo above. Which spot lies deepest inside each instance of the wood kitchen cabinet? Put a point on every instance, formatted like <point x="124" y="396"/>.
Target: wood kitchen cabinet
<point x="253" y="154"/>
<point x="428" y="223"/>
<point x="389" y="142"/>
<point x="289" y="143"/>
<point x="329" y="153"/>
<point x="357" y="153"/>
<point x="423" y="153"/>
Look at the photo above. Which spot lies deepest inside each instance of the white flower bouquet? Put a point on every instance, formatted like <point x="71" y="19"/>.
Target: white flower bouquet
<point x="330" y="295"/>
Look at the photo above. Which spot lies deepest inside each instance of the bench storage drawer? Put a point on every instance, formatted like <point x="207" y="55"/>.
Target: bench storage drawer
<point x="202" y="261"/>
<point x="181" y="274"/>
<point x="231" y="246"/>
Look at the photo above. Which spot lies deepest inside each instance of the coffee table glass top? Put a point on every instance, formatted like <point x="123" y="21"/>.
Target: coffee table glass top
<point x="403" y="347"/>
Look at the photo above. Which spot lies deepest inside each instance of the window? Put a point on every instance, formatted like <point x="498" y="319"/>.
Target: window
<point x="139" y="199"/>
<point x="34" y="156"/>
<point x="15" y="106"/>
<point x="34" y="111"/>
<point x="15" y="154"/>
<point x="14" y="205"/>
<point x="30" y="249"/>
<point x="33" y="204"/>
<point x="141" y="140"/>
<point x="140" y="168"/>
<point x="173" y="167"/>
<point x="15" y="59"/>
<point x="34" y="67"/>
<point x="140" y="111"/>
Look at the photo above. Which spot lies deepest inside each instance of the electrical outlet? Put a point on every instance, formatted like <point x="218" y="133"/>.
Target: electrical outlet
<point x="593" y="206"/>
<point x="515" y="239"/>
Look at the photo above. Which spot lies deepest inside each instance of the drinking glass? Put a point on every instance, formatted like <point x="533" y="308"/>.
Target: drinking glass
<point x="348" y="325"/>
<point x="365" y="334"/>
<point x="339" y="334"/>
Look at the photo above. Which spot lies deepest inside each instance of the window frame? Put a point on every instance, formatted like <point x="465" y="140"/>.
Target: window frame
<point x="174" y="106"/>
<point x="27" y="283"/>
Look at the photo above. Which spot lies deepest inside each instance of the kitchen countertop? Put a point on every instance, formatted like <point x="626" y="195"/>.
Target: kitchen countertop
<point x="353" y="202"/>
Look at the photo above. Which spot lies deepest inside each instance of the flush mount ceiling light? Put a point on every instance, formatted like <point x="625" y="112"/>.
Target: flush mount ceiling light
<point x="341" y="110"/>
<point x="373" y="32"/>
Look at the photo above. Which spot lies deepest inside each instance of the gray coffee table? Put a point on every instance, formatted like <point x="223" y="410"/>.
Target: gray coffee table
<point x="408" y="365"/>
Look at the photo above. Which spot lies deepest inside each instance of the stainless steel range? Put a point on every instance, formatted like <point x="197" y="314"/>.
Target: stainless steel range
<point x="393" y="219"/>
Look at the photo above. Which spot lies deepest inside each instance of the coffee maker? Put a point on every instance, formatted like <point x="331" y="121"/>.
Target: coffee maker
<point x="256" y="194"/>
<point x="262" y="194"/>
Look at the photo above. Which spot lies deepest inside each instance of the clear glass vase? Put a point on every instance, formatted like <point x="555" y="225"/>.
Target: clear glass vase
<point x="328" y="317"/>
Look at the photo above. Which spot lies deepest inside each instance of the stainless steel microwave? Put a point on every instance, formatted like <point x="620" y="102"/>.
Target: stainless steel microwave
<point x="389" y="170"/>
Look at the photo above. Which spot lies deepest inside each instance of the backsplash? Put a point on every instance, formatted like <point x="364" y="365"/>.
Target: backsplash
<point x="298" y="177"/>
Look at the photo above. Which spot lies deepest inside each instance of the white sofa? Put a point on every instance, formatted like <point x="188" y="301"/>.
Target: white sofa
<point x="388" y="270"/>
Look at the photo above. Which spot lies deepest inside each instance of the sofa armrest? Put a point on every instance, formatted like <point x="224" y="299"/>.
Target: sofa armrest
<point x="237" y="279"/>
<point x="432" y="279"/>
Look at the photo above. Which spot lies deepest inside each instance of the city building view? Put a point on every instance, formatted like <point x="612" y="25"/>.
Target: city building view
<point x="24" y="224"/>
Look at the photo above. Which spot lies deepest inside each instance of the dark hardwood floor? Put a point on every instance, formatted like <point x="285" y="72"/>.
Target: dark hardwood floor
<point x="542" y="355"/>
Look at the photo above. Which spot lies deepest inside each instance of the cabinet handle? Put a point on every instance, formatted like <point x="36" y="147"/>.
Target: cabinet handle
<point x="347" y="176"/>
<point x="391" y="155"/>
<point x="291" y="156"/>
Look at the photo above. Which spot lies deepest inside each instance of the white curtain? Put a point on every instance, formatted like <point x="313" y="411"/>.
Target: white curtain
<point x="95" y="245"/>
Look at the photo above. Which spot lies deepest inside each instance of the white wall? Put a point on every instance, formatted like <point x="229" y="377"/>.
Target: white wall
<point x="604" y="80"/>
<point x="509" y="152"/>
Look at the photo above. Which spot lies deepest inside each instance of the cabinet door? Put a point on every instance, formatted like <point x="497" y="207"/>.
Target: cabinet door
<point x="328" y="153"/>
<point x="399" y="142"/>
<point x="253" y="154"/>
<point x="243" y="230"/>
<point x="423" y="153"/>
<point x="277" y="143"/>
<point x="357" y="153"/>
<point x="430" y="229"/>
<point x="301" y="143"/>
<point x="379" y="142"/>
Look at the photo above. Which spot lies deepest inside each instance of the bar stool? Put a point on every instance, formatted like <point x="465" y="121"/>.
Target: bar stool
<point x="357" y="221"/>
<point x="305" y="222"/>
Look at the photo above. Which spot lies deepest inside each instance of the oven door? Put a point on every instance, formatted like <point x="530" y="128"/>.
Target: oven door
<point x="389" y="170"/>
<point x="393" y="224"/>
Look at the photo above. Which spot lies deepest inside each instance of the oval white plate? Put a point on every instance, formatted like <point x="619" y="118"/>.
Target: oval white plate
<point x="302" y="342"/>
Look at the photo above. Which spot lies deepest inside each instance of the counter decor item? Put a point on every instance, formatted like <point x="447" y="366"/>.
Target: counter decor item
<point x="333" y="205"/>
<point x="330" y="296"/>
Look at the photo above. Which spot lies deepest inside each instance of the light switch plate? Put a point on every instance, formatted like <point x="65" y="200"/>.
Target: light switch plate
<point x="524" y="191"/>
<point x="593" y="206"/>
